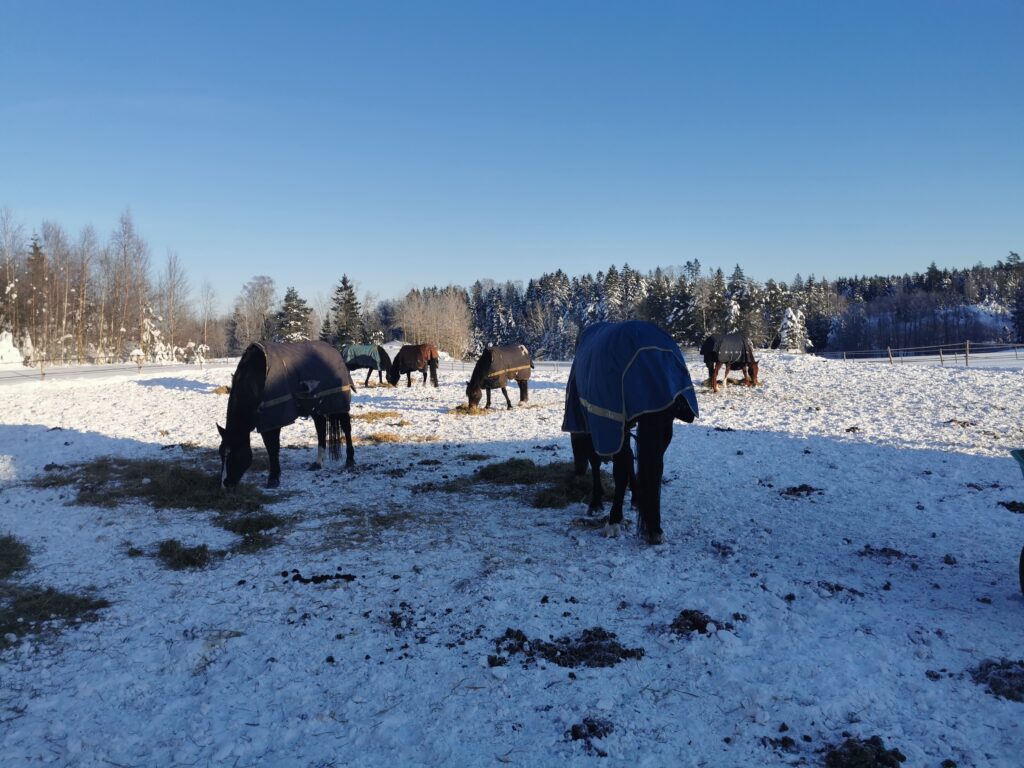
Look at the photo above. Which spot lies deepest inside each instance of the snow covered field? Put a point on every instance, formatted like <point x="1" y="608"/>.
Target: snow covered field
<point x="842" y="519"/>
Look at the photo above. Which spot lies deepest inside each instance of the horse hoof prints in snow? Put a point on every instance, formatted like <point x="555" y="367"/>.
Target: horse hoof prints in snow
<point x="732" y="351"/>
<point x="273" y="385"/>
<point x="495" y="368"/>
<point x="414" y="357"/>
<point x="625" y="374"/>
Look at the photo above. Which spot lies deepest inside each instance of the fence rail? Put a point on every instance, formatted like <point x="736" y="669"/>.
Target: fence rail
<point x="963" y="354"/>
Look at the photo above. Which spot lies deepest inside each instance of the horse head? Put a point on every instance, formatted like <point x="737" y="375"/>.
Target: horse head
<point x="234" y="459"/>
<point x="473" y="394"/>
<point x="392" y="375"/>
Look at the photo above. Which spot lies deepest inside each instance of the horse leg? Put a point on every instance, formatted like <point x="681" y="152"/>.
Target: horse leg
<point x="622" y="465"/>
<point x="714" y="377"/>
<point x="634" y="494"/>
<point x="507" y="400"/>
<point x="272" y="440"/>
<point x="582" y="454"/>
<point x="654" y="434"/>
<point x="524" y="391"/>
<point x="346" y="427"/>
<point x="320" y="423"/>
<point x="408" y="378"/>
<point x="368" y="372"/>
<point x="488" y="391"/>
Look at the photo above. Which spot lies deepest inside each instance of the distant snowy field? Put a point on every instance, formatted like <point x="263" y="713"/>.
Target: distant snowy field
<point x="228" y="665"/>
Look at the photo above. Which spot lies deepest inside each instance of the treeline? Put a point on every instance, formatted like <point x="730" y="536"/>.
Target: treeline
<point x="86" y="298"/>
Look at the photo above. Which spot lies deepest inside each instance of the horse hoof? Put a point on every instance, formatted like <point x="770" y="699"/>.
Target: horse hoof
<point x="315" y="466"/>
<point x="594" y="510"/>
<point x="656" y="539"/>
<point x="273" y="482"/>
<point x="611" y="531"/>
<point x="350" y="463"/>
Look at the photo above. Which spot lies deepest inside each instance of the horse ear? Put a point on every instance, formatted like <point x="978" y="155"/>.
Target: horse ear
<point x="223" y="434"/>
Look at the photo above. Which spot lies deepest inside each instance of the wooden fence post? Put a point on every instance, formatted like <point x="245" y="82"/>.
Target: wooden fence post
<point x="844" y="354"/>
<point x="941" y="361"/>
<point x="967" y="354"/>
<point x="889" y="350"/>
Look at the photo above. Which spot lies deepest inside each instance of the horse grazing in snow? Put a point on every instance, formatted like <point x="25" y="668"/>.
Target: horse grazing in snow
<point x="732" y="351"/>
<point x="494" y="369"/>
<point x="373" y="357"/>
<point x="627" y="374"/>
<point x="272" y="386"/>
<point x="414" y="357"/>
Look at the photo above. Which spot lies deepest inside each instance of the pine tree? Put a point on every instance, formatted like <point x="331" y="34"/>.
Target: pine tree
<point x="346" y="314"/>
<point x="292" y="320"/>
<point x="793" y="333"/>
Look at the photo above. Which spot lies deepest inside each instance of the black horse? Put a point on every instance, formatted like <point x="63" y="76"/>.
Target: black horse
<point x="627" y="374"/>
<point x="732" y="351"/>
<point x="494" y="369"/>
<point x="273" y="385"/>
<point x="414" y="357"/>
<point x="370" y="356"/>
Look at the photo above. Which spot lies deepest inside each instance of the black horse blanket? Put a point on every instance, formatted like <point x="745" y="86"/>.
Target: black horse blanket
<point x="362" y="356"/>
<point x="727" y="348"/>
<point x="511" y="362"/>
<point x="622" y="371"/>
<point x="303" y="379"/>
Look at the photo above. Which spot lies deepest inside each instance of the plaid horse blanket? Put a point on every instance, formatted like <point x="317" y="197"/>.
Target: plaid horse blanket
<point x="303" y="379"/>
<point x="727" y="348"/>
<point x="622" y="371"/>
<point x="361" y="356"/>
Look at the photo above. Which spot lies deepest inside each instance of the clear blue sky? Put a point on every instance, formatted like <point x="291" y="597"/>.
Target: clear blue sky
<point x="418" y="143"/>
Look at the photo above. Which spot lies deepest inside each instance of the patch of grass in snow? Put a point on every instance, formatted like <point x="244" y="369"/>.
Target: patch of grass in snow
<point x="394" y="418"/>
<point x="377" y="438"/>
<point x="109" y="481"/>
<point x="249" y="524"/>
<point x="29" y="610"/>
<point x="13" y="556"/>
<point x="467" y="410"/>
<point x="555" y="485"/>
<point x="176" y="555"/>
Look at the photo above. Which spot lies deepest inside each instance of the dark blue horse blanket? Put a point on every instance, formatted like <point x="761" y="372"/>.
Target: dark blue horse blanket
<point x="362" y="356"/>
<point x="303" y="379"/>
<point x="622" y="371"/>
<point x="727" y="348"/>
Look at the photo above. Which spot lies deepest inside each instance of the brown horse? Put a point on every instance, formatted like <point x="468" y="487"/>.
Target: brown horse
<point x="495" y="368"/>
<point x="733" y="352"/>
<point x="414" y="357"/>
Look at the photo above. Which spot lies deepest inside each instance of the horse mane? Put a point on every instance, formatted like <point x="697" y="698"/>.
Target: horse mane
<point x="483" y="365"/>
<point x="247" y="384"/>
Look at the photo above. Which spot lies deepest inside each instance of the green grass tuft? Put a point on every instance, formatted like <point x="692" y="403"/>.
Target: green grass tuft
<point x="176" y="555"/>
<point x="13" y="556"/>
<point x="31" y="610"/>
<point x="163" y="483"/>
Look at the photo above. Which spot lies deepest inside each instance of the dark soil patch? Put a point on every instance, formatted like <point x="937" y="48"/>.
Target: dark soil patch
<point x="13" y="556"/>
<point x="317" y="578"/>
<point x="591" y="728"/>
<point x="110" y="481"/>
<point x="885" y="552"/>
<point x="254" y="542"/>
<point x="689" y="621"/>
<point x="594" y="647"/>
<point x="473" y="456"/>
<point x="962" y="423"/>
<point x="871" y="753"/>
<point x="834" y="589"/>
<point x="35" y="610"/>
<point x="1013" y="506"/>
<point x="800" y="490"/>
<point x="1003" y="678"/>
<point x="177" y="556"/>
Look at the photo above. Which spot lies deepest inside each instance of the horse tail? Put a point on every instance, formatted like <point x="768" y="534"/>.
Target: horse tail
<point x="334" y="436"/>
